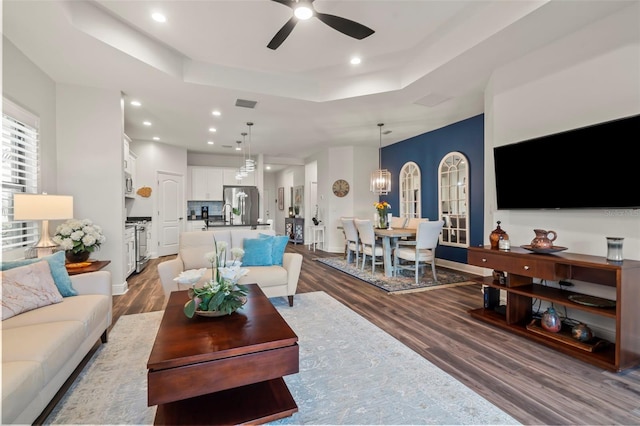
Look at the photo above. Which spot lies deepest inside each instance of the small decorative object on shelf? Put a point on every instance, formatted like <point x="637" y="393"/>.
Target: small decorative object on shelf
<point x="315" y="219"/>
<point x="383" y="209"/>
<point x="78" y="238"/>
<point x="581" y="332"/>
<point x="222" y="295"/>
<point x="543" y="239"/>
<point x="494" y="238"/>
<point x="550" y="320"/>
<point x="614" y="249"/>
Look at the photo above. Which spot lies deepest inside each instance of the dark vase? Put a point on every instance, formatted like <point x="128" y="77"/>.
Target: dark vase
<point x="76" y="257"/>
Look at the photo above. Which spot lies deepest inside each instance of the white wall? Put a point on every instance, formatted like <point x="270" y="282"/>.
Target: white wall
<point x="154" y="157"/>
<point x="90" y="164"/>
<point x="27" y="86"/>
<point x="589" y="77"/>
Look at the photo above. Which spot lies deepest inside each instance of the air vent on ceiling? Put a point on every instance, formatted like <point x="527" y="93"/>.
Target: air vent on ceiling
<point x="227" y="146"/>
<point x="245" y="103"/>
<point x="432" y="99"/>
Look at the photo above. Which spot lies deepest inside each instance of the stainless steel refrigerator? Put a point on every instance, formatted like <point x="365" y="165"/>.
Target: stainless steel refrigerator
<point x="245" y="200"/>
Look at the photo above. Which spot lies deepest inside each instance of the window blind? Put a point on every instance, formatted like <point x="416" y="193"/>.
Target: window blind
<point x="20" y="170"/>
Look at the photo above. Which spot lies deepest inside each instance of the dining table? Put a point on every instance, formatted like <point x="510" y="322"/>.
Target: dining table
<point x="389" y="237"/>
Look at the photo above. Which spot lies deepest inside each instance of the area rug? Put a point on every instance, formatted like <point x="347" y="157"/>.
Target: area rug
<point x="351" y="372"/>
<point x="405" y="281"/>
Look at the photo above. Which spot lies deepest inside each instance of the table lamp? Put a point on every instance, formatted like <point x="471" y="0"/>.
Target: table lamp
<point x="42" y="207"/>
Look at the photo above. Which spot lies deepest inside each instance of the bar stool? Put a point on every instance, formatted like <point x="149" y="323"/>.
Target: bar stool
<point x="316" y="235"/>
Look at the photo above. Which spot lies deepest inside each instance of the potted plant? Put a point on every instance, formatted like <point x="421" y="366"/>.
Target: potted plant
<point x="222" y="295"/>
<point x="78" y="238"/>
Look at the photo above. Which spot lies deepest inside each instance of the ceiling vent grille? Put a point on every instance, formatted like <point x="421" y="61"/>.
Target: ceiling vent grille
<point x="245" y="103"/>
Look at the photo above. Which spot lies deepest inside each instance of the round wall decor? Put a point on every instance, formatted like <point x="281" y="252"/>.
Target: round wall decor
<point x="340" y="188"/>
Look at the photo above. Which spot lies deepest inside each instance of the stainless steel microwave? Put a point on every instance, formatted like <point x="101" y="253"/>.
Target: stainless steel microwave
<point x="128" y="184"/>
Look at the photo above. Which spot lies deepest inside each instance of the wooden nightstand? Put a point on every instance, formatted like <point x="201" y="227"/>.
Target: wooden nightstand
<point x="95" y="266"/>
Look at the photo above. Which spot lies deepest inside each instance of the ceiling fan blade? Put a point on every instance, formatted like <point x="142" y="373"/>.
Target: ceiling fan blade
<point x="345" y="26"/>
<point x="289" y="3"/>
<point x="281" y="35"/>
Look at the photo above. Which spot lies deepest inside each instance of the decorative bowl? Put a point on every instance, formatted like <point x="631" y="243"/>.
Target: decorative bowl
<point x="213" y="314"/>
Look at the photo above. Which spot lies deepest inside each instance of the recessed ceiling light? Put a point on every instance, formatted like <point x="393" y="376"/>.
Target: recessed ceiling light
<point x="158" y="17"/>
<point x="355" y="60"/>
<point x="155" y="138"/>
<point x="210" y="142"/>
<point x="268" y="167"/>
<point x="216" y="113"/>
<point x="146" y="123"/>
<point x="135" y="103"/>
<point x="212" y="129"/>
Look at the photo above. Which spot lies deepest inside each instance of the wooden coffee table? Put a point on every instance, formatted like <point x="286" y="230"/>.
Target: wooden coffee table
<point x="224" y="370"/>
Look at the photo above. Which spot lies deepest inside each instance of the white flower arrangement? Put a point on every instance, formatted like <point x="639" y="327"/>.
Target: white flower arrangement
<point x="79" y="236"/>
<point x="222" y="293"/>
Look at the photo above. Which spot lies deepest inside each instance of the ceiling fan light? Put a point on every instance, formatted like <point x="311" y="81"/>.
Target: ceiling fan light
<point x="303" y="12"/>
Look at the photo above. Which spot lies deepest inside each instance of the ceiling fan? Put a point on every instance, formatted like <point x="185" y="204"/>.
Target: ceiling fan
<point x="303" y="9"/>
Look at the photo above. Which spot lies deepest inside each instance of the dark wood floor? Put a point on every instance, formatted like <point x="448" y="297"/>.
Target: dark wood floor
<point x="532" y="383"/>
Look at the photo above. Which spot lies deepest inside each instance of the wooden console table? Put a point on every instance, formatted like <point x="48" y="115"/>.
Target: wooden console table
<point x="522" y="266"/>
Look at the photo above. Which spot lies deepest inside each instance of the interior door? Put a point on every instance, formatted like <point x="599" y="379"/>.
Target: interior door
<point x="170" y="212"/>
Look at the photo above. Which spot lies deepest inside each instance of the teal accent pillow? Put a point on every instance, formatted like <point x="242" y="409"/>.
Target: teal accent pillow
<point x="58" y="271"/>
<point x="257" y="252"/>
<point x="279" y="246"/>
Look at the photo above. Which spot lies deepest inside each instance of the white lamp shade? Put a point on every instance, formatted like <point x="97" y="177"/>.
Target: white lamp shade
<point x="42" y="207"/>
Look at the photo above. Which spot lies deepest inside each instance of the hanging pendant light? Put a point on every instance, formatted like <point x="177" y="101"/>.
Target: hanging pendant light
<point x="243" y="167"/>
<point x="239" y="175"/>
<point x="250" y="164"/>
<point x="381" y="178"/>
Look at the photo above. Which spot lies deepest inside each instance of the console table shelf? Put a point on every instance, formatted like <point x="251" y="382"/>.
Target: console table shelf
<point x="522" y="266"/>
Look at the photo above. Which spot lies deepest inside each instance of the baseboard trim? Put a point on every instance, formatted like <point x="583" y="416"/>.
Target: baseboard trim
<point x="119" y="289"/>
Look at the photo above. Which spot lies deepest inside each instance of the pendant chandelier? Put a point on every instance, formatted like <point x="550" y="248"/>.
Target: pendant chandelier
<point x="249" y="163"/>
<point x="240" y="173"/>
<point x="381" y="178"/>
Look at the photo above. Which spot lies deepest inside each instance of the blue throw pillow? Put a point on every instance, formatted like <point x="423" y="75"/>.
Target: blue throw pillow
<point x="279" y="246"/>
<point x="58" y="271"/>
<point x="257" y="252"/>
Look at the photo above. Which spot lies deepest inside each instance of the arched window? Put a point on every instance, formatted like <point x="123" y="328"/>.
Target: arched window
<point x="452" y="199"/>
<point x="410" y="190"/>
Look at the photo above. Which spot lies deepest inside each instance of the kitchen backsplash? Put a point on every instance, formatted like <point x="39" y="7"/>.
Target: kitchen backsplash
<point x="215" y="207"/>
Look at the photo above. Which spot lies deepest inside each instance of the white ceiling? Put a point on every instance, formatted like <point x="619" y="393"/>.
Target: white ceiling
<point x="426" y="65"/>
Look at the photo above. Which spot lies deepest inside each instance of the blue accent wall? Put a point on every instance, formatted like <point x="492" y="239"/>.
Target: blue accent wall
<point x="427" y="150"/>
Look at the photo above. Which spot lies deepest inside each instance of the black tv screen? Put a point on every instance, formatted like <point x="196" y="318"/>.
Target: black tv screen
<point x="589" y="167"/>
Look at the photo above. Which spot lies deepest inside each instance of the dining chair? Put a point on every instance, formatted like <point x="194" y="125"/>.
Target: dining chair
<point x="420" y="250"/>
<point x="398" y="222"/>
<point x="413" y="222"/>
<point x="352" y="240"/>
<point x="369" y="246"/>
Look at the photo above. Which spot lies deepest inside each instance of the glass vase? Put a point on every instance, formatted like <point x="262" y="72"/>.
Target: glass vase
<point x="382" y="220"/>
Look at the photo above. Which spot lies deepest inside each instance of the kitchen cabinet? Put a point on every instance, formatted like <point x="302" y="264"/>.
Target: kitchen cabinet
<point x="522" y="291"/>
<point x="206" y="183"/>
<point x="129" y="250"/>
<point x="195" y="225"/>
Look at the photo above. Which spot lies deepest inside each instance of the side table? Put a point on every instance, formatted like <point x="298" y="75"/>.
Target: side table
<point x="96" y="265"/>
<point x="316" y="235"/>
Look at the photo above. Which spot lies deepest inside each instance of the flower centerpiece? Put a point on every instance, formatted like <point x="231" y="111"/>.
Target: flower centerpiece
<point x="222" y="295"/>
<point x="78" y="238"/>
<point x="383" y="209"/>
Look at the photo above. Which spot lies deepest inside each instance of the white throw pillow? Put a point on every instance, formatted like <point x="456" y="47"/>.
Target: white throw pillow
<point x="28" y="287"/>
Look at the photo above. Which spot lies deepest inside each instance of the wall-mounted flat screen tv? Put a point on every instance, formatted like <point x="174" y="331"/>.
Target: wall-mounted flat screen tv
<point x="590" y="167"/>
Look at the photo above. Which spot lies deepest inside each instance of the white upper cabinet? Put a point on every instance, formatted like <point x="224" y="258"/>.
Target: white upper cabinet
<point x="206" y="183"/>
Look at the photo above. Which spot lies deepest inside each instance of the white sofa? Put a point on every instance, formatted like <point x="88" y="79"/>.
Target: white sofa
<point x="42" y="347"/>
<point x="274" y="281"/>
